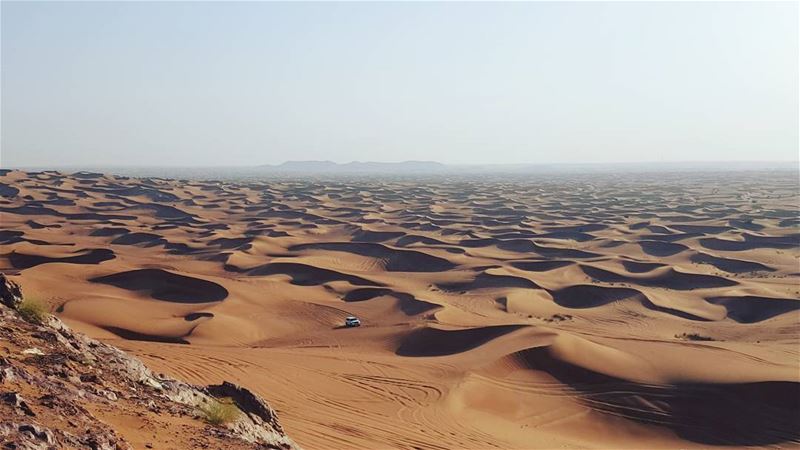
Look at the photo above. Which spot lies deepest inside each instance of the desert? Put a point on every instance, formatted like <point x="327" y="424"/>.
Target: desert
<point x="579" y="310"/>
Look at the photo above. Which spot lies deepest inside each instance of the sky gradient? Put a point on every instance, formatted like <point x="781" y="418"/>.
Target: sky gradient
<point x="231" y="84"/>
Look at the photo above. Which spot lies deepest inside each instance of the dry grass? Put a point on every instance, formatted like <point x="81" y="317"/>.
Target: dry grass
<point x="33" y="311"/>
<point x="693" y="337"/>
<point x="220" y="411"/>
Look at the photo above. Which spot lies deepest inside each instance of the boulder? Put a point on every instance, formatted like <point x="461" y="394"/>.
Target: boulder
<point x="10" y="292"/>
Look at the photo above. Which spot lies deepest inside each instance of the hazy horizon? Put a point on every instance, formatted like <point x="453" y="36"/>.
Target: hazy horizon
<point x="761" y="163"/>
<point x="246" y="84"/>
<point x="422" y="170"/>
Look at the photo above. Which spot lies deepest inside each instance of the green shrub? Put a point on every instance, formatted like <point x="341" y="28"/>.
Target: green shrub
<point x="220" y="411"/>
<point x="33" y="311"/>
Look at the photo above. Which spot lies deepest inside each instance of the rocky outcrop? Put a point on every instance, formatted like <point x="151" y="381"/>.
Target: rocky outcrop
<point x="262" y="422"/>
<point x="10" y="292"/>
<point x="62" y="389"/>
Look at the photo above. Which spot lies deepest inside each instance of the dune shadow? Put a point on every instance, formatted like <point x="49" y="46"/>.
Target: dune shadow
<point x="729" y="414"/>
<point x="670" y="279"/>
<point x="752" y="242"/>
<point x="583" y="296"/>
<point x="394" y="260"/>
<point x="135" y="336"/>
<point x="303" y="274"/>
<point x="486" y="280"/>
<point x="167" y="286"/>
<point x="730" y="265"/>
<point x="429" y="341"/>
<point x="540" y="266"/>
<point x="85" y="256"/>
<point x="661" y="248"/>
<point x="407" y="303"/>
<point x="640" y="267"/>
<point x="752" y="309"/>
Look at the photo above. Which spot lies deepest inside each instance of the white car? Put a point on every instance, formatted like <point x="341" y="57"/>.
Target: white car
<point x="352" y="321"/>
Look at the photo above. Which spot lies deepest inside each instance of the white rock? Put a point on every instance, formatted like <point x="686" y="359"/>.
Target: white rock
<point x="32" y="351"/>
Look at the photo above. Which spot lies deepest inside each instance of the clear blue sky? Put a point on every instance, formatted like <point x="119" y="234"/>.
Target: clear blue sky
<point x="112" y="83"/>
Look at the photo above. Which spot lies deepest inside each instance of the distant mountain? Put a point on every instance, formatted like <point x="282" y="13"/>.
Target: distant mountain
<point x="409" y="167"/>
<point x="304" y="166"/>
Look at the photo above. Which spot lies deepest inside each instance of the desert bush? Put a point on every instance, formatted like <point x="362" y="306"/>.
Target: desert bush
<point x="32" y="310"/>
<point x="219" y="411"/>
<point x="693" y="337"/>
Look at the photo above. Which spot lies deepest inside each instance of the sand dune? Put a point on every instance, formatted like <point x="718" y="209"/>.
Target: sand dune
<point x="540" y="266"/>
<point x="305" y="275"/>
<point x="84" y="256"/>
<point x="751" y="309"/>
<point x="143" y="239"/>
<point x="661" y="248"/>
<point x="664" y="278"/>
<point x="640" y="267"/>
<point x="394" y="260"/>
<point x="578" y="311"/>
<point x="406" y="302"/>
<point x="167" y="286"/>
<point x="589" y="296"/>
<point x="751" y="242"/>
<point x="133" y="335"/>
<point x="713" y="414"/>
<point x="430" y="341"/>
<point x="729" y="264"/>
<point x="487" y="280"/>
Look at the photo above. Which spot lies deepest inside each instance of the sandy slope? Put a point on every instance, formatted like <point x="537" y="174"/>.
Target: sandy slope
<point x="656" y="310"/>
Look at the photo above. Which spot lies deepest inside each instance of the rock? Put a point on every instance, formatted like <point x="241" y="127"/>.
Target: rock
<point x="6" y="375"/>
<point x="48" y="401"/>
<point x="262" y="426"/>
<point x="10" y="292"/>
<point x="33" y="351"/>
<point x="89" y="378"/>
<point x="250" y="403"/>
<point x="152" y="383"/>
<point x="38" y="433"/>
<point x="6" y="371"/>
<point x="99" y="442"/>
<point x="16" y="400"/>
